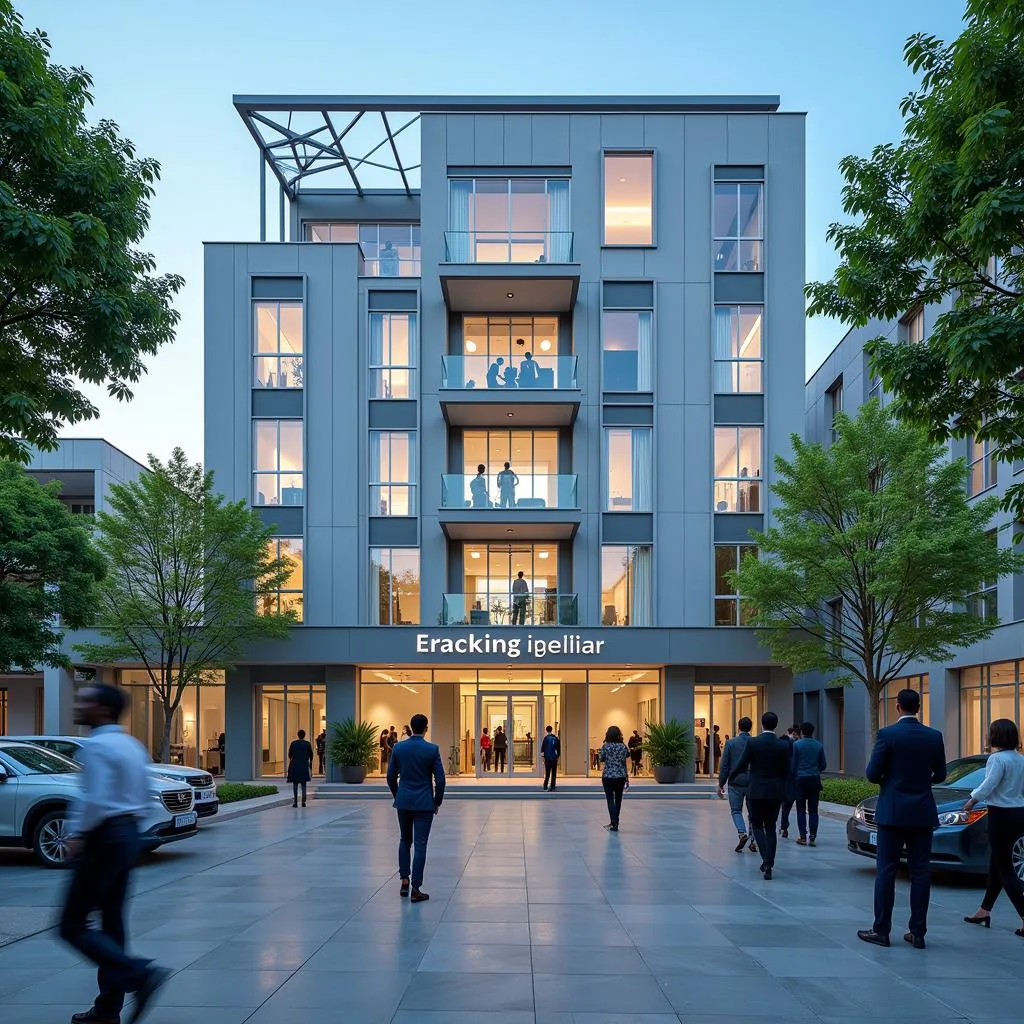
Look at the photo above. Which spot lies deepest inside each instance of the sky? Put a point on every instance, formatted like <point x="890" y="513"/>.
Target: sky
<point x="166" y="73"/>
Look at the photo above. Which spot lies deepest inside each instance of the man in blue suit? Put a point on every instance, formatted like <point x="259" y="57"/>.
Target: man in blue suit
<point x="416" y="781"/>
<point x="908" y="759"/>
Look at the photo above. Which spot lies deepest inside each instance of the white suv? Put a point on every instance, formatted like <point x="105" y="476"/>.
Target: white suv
<point x="203" y="789"/>
<point x="38" y="785"/>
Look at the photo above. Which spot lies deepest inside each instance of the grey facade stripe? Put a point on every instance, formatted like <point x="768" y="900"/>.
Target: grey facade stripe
<point x="287" y="522"/>
<point x="393" y="414"/>
<point x="628" y="295"/>
<point x="509" y="171"/>
<point x="394" y="531"/>
<point x="277" y="403"/>
<point x="638" y="415"/>
<point x="739" y="287"/>
<point x="627" y="528"/>
<point x="395" y="301"/>
<point x="739" y="409"/>
<point x="726" y="172"/>
<point x="267" y="675"/>
<point x="735" y="527"/>
<point x="277" y="288"/>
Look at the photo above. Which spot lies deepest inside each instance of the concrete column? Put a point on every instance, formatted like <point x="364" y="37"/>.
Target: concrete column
<point x="679" y="684"/>
<point x="944" y="706"/>
<point x="574" y="730"/>
<point x="779" y="697"/>
<point x="58" y="701"/>
<point x="858" y="729"/>
<point x="240" y="754"/>
<point x="340" y="684"/>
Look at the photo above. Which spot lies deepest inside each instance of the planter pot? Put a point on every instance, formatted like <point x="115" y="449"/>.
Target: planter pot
<point x="352" y="774"/>
<point x="667" y="774"/>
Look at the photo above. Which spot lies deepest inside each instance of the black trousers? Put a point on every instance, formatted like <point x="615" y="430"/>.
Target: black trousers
<point x="918" y="844"/>
<point x="613" y="790"/>
<point x="808" y="791"/>
<point x="550" y="772"/>
<point x="499" y="760"/>
<point x="295" y="792"/>
<point x="414" y="828"/>
<point x="763" y="816"/>
<point x="1005" y="825"/>
<point x="100" y="883"/>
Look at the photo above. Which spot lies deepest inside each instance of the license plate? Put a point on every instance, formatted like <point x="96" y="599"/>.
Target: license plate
<point x="205" y="794"/>
<point x="184" y="820"/>
<point x="872" y="839"/>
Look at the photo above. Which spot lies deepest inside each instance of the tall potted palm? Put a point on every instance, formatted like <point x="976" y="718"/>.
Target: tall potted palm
<point x="669" y="746"/>
<point x="354" y="748"/>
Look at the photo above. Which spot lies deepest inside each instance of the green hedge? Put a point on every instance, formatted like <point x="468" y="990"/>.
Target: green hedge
<point x="232" y="792"/>
<point x="849" y="791"/>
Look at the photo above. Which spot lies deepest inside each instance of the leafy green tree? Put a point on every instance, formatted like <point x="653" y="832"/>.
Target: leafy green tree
<point x="78" y="300"/>
<point x="185" y="571"/>
<point x="48" y="572"/>
<point x="940" y="218"/>
<point x="875" y="558"/>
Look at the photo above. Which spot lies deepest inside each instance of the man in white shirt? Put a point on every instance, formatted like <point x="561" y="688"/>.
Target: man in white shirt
<point x="105" y="842"/>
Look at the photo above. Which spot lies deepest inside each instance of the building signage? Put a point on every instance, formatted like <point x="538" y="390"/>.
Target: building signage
<point x="571" y="644"/>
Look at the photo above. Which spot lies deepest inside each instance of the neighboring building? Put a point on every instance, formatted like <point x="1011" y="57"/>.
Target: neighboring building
<point x="604" y="293"/>
<point x="978" y="684"/>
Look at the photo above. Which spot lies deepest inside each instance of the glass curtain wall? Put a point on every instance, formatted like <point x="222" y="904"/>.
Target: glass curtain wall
<point x="887" y="713"/>
<point x="281" y="712"/>
<point x="389" y="250"/>
<point x="495" y="349"/>
<point x="491" y="569"/>
<point x="394" y="586"/>
<point x="531" y="455"/>
<point x="988" y="692"/>
<point x="716" y="710"/>
<point x="626" y="585"/>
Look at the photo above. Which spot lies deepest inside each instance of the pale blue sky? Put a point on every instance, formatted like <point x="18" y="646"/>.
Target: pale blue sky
<point x="166" y="72"/>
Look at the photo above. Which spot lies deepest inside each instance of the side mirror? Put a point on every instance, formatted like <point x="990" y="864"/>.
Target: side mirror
<point x="3" y="774"/>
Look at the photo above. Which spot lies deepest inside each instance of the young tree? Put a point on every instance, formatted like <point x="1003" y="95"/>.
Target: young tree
<point x="78" y="300"/>
<point x="48" y="572"/>
<point x="185" y="570"/>
<point x="940" y="216"/>
<point x="876" y="556"/>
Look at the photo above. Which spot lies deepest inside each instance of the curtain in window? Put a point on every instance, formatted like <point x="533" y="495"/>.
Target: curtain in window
<point x="723" y="350"/>
<point x="460" y="196"/>
<point x="645" y="352"/>
<point x="559" y="246"/>
<point x="642" y="469"/>
<point x="642" y="612"/>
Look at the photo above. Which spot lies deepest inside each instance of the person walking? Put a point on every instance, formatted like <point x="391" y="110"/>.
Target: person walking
<point x="500" y="749"/>
<point x="809" y="760"/>
<point x="321" y="751"/>
<point x="767" y="758"/>
<point x="550" y="750"/>
<point x="908" y="759"/>
<point x="520" y="599"/>
<point x="738" y="789"/>
<point x="792" y="735"/>
<point x="300" y="766"/>
<point x="485" y="749"/>
<point x="416" y="780"/>
<point x="385" y="750"/>
<point x="636" y="751"/>
<point x="1002" y="792"/>
<point x="103" y="825"/>
<point x="614" y="777"/>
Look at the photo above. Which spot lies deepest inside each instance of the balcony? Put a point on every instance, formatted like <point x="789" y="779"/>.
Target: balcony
<point x="544" y="609"/>
<point x="540" y="507"/>
<point x="509" y="271"/>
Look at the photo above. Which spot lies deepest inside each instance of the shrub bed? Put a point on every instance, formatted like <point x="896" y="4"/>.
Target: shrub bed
<point x="848" y="791"/>
<point x="232" y="792"/>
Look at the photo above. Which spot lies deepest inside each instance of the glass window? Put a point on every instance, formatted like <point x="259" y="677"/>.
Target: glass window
<point x="912" y="327"/>
<point x="389" y="250"/>
<point x="277" y="462"/>
<point x="392" y="473"/>
<point x="739" y="226"/>
<point x="737" y="469"/>
<point x="493" y="592"/>
<point x="728" y="608"/>
<point x="629" y="199"/>
<point x="391" y="705"/>
<point x="982" y="466"/>
<point x="626" y="585"/>
<point x="392" y="355"/>
<point x="277" y="344"/>
<point x="985" y="602"/>
<point x="834" y="399"/>
<point x="289" y="597"/>
<point x="887" y="711"/>
<point x="628" y="350"/>
<point x="739" y="357"/>
<point x="495" y="349"/>
<point x="532" y="458"/>
<point x="629" y="468"/>
<point x="394" y="586"/>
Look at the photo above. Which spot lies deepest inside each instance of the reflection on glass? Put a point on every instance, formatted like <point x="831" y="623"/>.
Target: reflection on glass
<point x="278" y="459"/>
<point x="392" y="473"/>
<point x="394" y="586"/>
<point x="738" y="356"/>
<point x="628" y="350"/>
<point x="729" y="610"/>
<point x="392" y="355"/>
<point x="626" y="585"/>
<point x="389" y="250"/>
<point x="737" y="469"/>
<point x="738" y="226"/>
<point x="278" y="345"/>
<point x="289" y="597"/>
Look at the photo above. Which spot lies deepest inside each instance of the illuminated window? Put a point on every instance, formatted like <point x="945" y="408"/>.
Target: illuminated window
<point x="629" y="468"/>
<point x="289" y="596"/>
<point x="626" y="587"/>
<point x="728" y="608"/>
<point x="277" y="340"/>
<point x="277" y="462"/>
<point x="392" y="355"/>
<point x="737" y="469"/>
<point x="629" y="199"/>
<point x="738" y="352"/>
<point x="392" y="473"/>
<point x="394" y="586"/>
<point x="982" y="466"/>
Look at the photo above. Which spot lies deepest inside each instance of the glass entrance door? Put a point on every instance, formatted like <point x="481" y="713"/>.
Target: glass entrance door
<point x="514" y="723"/>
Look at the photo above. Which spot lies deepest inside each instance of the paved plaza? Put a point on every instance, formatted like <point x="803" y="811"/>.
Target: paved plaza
<point x="537" y="916"/>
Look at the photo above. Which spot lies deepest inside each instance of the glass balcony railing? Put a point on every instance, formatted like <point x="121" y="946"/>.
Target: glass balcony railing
<point x="508" y="246"/>
<point x="519" y="492"/>
<point x="542" y="609"/>
<point x="502" y="373"/>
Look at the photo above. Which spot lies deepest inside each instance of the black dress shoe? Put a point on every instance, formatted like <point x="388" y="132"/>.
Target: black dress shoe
<point x="743" y="838"/>
<point x="92" y="1017"/>
<point x="418" y="896"/>
<point x="149" y="988"/>
<point x="763" y="868"/>
<point x="867" y="935"/>
<point x="915" y="940"/>
<point x="767" y="874"/>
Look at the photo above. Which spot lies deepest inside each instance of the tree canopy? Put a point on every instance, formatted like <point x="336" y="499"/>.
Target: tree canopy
<point x="48" y="572"/>
<point x="875" y="558"/>
<point x="78" y="300"/>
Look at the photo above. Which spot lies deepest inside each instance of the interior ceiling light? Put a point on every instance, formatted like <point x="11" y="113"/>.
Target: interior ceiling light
<point x="470" y="346"/>
<point x="542" y="554"/>
<point x="545" y="345"/>
<point x="510" y="530"/>
<point x="510" y="295"/>
<point x="475" y="554"/>
<point x="510" y="414"/>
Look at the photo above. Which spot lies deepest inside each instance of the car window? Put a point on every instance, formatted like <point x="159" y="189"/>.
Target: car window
<point x="970" y="780"/>
<point x="957" y="772"/>
<point x="37" y="761"/>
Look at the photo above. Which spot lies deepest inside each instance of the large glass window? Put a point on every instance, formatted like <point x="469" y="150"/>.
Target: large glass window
<point x="391" y="704"/>
<point x="289" y="597"/>
<point x="717" y="711"/>
<point x="277" y="462"/>
<point x="392" y="473"/>
<point x="987" y="692"/>
<point x="283" y="711"/>
<point x="278" y="345"/>
<point x="495" y="594"/>
<point x="629" y="199"/>
<point x="739" y="225"/>
<point x="983" y="466"/>
<point x="510" y="469"/>
<point x="911" y="328"/>
<point x="389" y="250"/>
<point x="729" y="610"/>
<point x="737" y="469"/>
<point x="628" y="458"/>
<point x="627" y="338"/>
<point x="497" y="350"/>
<point x="626" y="585"/>
<point x="887" y="711"/>
<point x="739" y="357"/>
<point x="393" y="355"/>
<point x="985" y="603"/>
<point x="394" y="586"/>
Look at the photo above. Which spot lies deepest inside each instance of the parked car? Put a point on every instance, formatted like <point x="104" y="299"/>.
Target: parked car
<point x="960" y="842"/>
<point x="38" y="785"/>
<point x="203" y="788"/>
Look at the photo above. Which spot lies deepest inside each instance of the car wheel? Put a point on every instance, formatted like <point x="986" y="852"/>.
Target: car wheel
<point x="52" y="839"/>
<point x="1017" y="857"/>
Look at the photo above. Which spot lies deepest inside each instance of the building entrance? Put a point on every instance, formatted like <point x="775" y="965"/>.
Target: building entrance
<point x="520" y="719"/>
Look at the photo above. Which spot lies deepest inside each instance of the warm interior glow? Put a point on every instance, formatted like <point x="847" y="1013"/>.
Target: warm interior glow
<point x="628" y="199"/>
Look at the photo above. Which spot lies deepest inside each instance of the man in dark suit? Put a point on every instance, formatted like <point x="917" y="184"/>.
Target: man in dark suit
<point x="416" y="780"/>
<point x="908" y="759"/>
<point x="767" y="759"/>
<point x="550" y="749"/>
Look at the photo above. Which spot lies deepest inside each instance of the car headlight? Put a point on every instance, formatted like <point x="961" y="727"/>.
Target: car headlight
<point x="947" y="818"/>
<point x="858" y="812"/>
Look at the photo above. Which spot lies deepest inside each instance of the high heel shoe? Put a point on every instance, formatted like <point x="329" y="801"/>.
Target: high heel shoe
<point x="985" y="922"/>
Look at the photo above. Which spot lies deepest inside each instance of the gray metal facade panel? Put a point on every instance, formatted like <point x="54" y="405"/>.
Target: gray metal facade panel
<point x="392" y="300"/>
<point x="705" y="143"/>
<point x="739" y="287"/>
<point x="631" y="414"/>
<point x="628" y="295"/>
<point x="394" y="531"/>
<point x="277" y="403"/>
<point x="748" y="138"/>
<point x="739" y="408"/>
<point x="393" y="414"/>
<point x="739" y="172"/>
<point x="627" y="528"/>
<point x="735" y="527"/>
<point x="286" y="520"/>
<point x="277" y="287"/>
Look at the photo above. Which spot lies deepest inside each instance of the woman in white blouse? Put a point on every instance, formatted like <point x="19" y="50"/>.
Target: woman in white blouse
<point x="1003" y="793"/>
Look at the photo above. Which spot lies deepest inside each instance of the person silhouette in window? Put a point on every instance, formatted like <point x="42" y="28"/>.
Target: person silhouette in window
<point x="510" y="376"/>
<point x="389" y="260"/>
<point x="493" y="373"/>
<point x="507" y="481"/>
<point x="478" y="488"/>
<point x="529" y="375"/>
<point x="520" y="599"/>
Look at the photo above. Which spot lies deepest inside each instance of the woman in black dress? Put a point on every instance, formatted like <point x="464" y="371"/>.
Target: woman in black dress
<point x="300" y="766"/>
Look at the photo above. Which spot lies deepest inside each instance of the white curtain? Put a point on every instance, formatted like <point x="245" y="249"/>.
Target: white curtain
<point x="723" y="350"/>
<point x="460" y="197"/>
<point x="645" y="352"/>
<point x="642" y="470"/>
<point x="377" y="355"/>
<point x="560" y="240"/>
<point x="642" y="612"/>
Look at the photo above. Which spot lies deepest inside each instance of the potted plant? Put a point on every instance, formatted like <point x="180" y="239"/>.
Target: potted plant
<point x="353" y="746"/>
<point x="669" y="746"/>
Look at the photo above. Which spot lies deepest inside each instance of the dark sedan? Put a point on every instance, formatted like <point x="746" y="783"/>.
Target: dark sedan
<point x="961" y="840"/>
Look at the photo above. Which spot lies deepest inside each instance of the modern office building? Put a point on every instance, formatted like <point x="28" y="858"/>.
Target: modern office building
<point x="508" y="384"/>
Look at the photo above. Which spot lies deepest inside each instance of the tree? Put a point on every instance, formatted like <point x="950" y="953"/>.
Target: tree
<point x="78" y="300"/>
<point x="48" y="572"/>
<point x="940" y="217"/>
<point x="185" y="571"/>
<point x="876" y="556"/>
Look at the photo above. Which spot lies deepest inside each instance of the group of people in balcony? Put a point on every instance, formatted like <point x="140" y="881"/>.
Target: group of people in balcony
<point x="501" y="376"/>
<point x="507" y="483"/>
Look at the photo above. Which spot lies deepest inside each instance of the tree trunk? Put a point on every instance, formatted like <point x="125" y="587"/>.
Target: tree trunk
<point x="165" y="742"/>
<point x="873" y="694"/>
